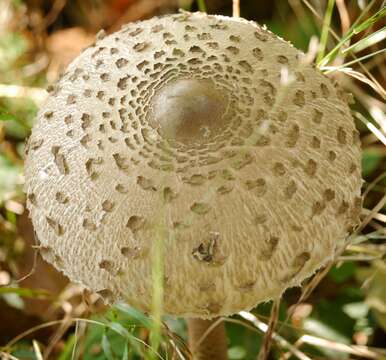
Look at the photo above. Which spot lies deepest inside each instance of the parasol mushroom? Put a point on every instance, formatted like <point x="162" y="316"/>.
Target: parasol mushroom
<point x="213" y="130"/>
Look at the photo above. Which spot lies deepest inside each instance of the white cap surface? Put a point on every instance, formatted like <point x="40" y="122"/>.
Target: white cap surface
<point x="209" y="132"/>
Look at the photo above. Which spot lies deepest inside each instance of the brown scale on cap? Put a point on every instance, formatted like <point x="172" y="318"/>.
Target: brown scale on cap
<point x="182" y="123"/>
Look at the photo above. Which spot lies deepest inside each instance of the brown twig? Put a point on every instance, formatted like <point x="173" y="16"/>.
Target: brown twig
<point x="268" y="337"/>
<point x="54" y="12"/>
<point x="344" y="16"/>
<point x="278" y="338"/>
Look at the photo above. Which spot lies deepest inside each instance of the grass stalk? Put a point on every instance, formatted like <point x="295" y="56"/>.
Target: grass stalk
<point x="157" y="290"/>
<point x="356" y="28"/>
<point x="325" y="29"/>
<point x="201" y="5"/>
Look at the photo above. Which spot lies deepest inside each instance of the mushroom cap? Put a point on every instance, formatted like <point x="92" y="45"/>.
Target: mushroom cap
<point x="207" y="138"/>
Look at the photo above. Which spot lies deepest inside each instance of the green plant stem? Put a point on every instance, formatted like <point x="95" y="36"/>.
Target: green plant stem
<point x="325" y="29"/>
<point x="158" y="279"/>
<point x="201" y="5"/>
<point x="355" y="28"/>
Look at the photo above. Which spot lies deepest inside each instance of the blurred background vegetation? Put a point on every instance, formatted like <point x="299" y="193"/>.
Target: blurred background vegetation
<point x="339" y="314"/>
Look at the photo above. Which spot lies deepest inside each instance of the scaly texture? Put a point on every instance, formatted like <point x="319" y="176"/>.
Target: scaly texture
<point x="210" y="133"/>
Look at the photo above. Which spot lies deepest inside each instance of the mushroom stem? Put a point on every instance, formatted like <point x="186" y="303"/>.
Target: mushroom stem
<point x="207" y="339"/>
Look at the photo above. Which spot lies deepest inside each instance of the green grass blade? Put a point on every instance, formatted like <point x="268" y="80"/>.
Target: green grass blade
<point x="360" y="59"/>
<point x="125" y="355"/>
<point x="6" y="116"/>
<point x="135" y="314"/>
<point x="106" y="346"/>
<point x="131" y="339"/>
<point x="119" y="329"/>
<point x="24" y="292"/>
<point x="325" y="29"/>
<point x="68" y="348"/>
<point x="369" y="40"/>
<point x="158" y="291"/>
<point x="354" y="29"/>
<point x="201" y="5"/>
<point x="370" y="21"/>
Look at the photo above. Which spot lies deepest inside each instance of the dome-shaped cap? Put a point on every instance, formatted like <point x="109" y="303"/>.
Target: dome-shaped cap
<point x="210" y="133"/>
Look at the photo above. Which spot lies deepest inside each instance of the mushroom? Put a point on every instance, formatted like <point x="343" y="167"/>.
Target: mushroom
<point x="213" y="130"/>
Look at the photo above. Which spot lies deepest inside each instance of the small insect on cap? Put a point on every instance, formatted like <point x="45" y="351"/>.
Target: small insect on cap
<point x="205" y="137"/>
